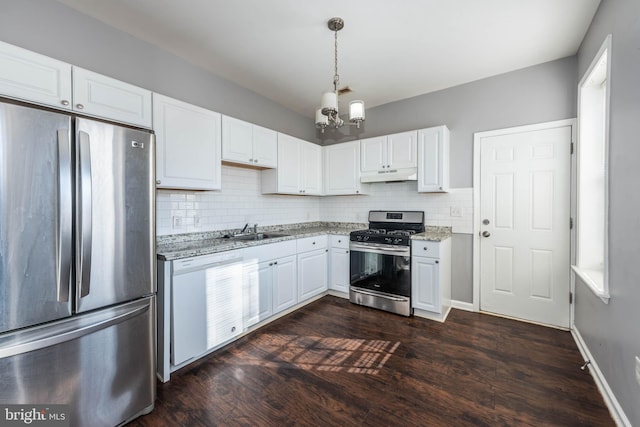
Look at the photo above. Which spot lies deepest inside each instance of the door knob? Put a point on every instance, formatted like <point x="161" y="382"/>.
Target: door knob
<point x="486" y="234"/>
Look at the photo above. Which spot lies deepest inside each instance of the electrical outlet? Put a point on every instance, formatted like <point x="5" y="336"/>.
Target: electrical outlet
<point x="177" y="221"/>
<point x="638" y="369"/>
<point x="456" y="211"/>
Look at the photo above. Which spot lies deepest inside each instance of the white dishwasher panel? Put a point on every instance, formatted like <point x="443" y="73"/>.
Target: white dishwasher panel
<point x="207" y="307"/>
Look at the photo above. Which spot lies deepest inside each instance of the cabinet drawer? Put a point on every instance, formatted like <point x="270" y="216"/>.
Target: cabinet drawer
<point x="270" y="251"/>
<point x="340" y="241"/>
<point x="425" y="248"/>
<point x="312" y="243"/>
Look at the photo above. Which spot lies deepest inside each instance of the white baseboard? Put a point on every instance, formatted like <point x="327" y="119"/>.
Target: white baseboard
<point x="461" y="305"/>
<point x="610" y="400"/>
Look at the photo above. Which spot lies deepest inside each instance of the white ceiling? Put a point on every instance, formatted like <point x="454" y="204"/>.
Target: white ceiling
<point x="387" y="51"/>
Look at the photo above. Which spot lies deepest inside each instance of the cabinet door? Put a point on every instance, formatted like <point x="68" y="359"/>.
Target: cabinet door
<point x="33" y="77"/>
<point x="311" y="161"/>
<point x="285" y="291"/>
<point x="342" y="169"/>
<point x="374" y="154"/>
<point x="102" y="96"/>
<point x="312" y="273"/>
<point x="401" y="150"/>
<point x="237" y="140"/>
<point x="339" y="267"/>
<point x="187" y="145"/>
<point x="265" y="290"/>
<point x="433" y="159"/>
<point x="265" y="147"/>
<point x="425" y="276"/>
<point x="288" y="165"/>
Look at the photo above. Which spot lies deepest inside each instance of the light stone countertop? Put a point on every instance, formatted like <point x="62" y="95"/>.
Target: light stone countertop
<point x="180" y="246"/>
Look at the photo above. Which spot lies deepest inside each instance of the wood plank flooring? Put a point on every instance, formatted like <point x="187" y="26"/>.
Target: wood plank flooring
<point x="333" y="363"/>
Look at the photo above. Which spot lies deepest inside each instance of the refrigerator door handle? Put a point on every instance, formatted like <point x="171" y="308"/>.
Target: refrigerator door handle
<point x="64" y="215"/>
<point x="84" y="214"/>
<point x="58" y="334"/>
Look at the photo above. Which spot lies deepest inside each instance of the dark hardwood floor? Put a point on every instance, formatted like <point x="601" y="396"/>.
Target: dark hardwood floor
<point x="332" y="363"/>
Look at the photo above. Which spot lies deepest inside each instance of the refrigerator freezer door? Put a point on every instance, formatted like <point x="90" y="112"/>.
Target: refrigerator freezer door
<point x="99" y="363"/>
<point x="115" y="238"/>
<point x="35" y="216"/>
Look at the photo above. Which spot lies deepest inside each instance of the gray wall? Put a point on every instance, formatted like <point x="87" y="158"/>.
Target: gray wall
<point x="611" y="331"/>
<point x="50" y="28"/>
<point x="532" y="95"/>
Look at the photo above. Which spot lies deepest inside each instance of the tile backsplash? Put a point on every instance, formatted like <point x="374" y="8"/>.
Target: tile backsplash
<point x="240" y="201"/>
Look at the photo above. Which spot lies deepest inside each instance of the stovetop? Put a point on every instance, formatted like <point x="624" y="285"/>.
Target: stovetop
<point x="391" y="228"/>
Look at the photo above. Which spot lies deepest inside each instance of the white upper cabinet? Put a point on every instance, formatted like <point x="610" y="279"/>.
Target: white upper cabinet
<point x="311" y="172"/>
<point x="401" y="150"/>
<point x="433" y="159"/>
<point x="384" y="155"/>
<point x="36" y="78"/>
<point x="248" y="144"/>
<point x="187" y="145"/>
<point x="342" y="169"/>
<point x="299" y="168"/>
<point x="102" y="96"/>
<point x="33" y="77"/>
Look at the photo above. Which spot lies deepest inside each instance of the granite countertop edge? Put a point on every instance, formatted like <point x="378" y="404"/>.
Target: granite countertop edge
<point x="179" y="246"/>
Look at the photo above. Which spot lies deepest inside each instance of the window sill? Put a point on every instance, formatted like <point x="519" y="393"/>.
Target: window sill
<point x="594" y="279"/>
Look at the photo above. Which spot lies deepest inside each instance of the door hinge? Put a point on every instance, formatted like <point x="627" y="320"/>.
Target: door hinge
<point x="570" y="223"/>
<point x="571" y="149"/>
<point x="570" y="298"/>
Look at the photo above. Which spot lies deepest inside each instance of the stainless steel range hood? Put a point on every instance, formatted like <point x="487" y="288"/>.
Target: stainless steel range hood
<point x="407" y="174"/>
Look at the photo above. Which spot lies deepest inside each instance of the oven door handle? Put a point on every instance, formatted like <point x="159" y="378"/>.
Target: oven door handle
<point x="379" y="295"/>
<point x="379" y="250"/>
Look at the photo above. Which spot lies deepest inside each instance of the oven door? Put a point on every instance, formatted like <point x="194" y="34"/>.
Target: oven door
<point x="381" y="268"/>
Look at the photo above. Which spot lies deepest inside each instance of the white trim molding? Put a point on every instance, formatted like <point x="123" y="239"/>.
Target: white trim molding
<point x="610" y="400"/>
<point x="462" y="305"/>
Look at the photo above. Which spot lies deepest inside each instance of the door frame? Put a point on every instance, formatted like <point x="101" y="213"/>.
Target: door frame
<point x="477" y="137"/>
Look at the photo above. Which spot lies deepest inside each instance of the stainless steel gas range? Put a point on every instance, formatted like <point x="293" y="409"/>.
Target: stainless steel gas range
<point x="380" y="268"/>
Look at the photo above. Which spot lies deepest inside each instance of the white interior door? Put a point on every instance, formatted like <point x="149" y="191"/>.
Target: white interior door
<point x="524" y="224"/>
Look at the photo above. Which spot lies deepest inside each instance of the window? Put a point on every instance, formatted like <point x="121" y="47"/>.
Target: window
<point x="592" y="173"/>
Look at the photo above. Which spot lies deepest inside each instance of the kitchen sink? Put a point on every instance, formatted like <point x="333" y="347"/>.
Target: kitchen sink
<point x="258" y="236"/>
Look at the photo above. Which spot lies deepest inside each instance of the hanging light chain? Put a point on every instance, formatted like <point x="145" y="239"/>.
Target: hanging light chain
<point x="336" y="77"/>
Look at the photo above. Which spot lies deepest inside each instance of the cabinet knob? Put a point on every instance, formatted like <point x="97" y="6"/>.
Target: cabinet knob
<point x="383" y="166"/>
<point x="346" y="252"/>
<point x="64" y="102"/>
<point x="425" y="248"/>
<point x="275" y="262"/>
<point x="233" y="329"/>
<point x="326" y="250"/>
<point x="313" y="243"/>
<point x="339" y="241"/>
<point x="270" y="264"/>
<point x="158" y="181"/>
<point x="357" y="191"/>
<point x="79" y="106"/>
<point x="437" y="262"/>
<point x="255" y="160"/>
<point x="251" y="160"/>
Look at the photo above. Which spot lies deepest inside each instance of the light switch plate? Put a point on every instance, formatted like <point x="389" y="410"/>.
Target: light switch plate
<point x="456" y="211"/>
<point x="638" y="369"/>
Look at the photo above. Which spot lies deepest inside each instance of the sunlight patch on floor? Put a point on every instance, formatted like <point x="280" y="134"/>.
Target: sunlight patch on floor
<point x="327" y="354"/>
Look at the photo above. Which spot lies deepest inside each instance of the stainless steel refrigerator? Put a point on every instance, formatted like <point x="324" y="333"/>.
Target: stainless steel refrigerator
<point x="77" y="279"/>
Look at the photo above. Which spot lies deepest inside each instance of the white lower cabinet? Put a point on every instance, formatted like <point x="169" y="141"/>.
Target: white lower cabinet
<point x="285" y="292"/>
<point x="431" y="278"/>
<point x="339" y="260"/>
<point x="206" y="304"/>
<point x="270" y="280"/>
<point x="312" y="266"/>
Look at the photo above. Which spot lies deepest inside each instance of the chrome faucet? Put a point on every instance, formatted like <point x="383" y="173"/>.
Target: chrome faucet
<point x="255" y="228"/>
<point x="244" y="228"/>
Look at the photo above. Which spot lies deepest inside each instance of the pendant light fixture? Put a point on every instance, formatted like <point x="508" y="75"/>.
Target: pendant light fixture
<point x="328" y="114"/>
